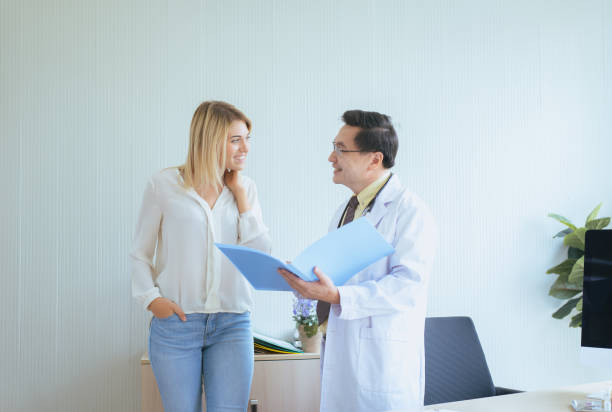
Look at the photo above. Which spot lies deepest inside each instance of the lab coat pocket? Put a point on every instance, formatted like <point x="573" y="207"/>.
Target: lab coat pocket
<point x="384" y="361"/>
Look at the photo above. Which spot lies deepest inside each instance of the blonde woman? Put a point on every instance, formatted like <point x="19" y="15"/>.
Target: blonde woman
<point x="201" y="328"/>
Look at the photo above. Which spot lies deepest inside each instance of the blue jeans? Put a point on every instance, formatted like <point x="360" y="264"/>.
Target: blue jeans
<point x="217" y="347"/>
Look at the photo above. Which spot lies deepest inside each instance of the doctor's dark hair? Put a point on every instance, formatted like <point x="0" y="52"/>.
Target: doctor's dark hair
<point x="376" y="135"/>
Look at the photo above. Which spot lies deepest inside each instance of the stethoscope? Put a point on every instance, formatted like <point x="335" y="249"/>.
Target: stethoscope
<point x="370" y="205"/>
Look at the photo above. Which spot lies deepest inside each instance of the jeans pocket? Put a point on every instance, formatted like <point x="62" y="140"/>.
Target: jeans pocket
<point x="174" y="315"/>
<point x="230" y="320"/>
<point x="165" y="327"/>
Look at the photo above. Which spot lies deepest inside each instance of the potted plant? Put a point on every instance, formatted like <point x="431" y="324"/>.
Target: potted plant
<point x="568" y="285"/>
<point x="307" y="324"/>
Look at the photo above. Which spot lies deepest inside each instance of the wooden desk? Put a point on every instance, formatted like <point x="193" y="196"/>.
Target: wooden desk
<point x="554" y="400"/>
<point x="281" y="383"/>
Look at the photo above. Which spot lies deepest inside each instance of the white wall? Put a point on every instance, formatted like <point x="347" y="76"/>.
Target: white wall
<point x="502" y="109"/>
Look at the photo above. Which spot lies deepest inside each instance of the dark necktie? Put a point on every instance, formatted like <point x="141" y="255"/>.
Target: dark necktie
<point x="349" y="215"/>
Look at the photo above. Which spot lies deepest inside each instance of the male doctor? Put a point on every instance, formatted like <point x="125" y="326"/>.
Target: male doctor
<point x="372" y="357"/>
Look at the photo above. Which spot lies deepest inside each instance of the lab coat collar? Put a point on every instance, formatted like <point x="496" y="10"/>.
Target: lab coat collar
<point x="391" y="190"/>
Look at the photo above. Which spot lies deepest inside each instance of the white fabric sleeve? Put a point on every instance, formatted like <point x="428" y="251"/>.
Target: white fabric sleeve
<point x="408" y="270"/>
<point x="252" y="232"/>
<point x="143" y="248"/>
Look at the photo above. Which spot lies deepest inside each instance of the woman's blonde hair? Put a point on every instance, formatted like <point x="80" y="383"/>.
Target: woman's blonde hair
<point x="207" y="139"/>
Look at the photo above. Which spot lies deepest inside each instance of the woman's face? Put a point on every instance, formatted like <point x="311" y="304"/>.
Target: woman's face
<point x="237" y="145"/>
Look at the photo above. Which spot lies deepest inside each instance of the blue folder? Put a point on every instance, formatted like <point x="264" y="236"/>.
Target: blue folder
<point x="341" y="254"/>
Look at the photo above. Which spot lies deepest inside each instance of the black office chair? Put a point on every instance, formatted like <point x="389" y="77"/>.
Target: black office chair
<point x="455" y="365"/>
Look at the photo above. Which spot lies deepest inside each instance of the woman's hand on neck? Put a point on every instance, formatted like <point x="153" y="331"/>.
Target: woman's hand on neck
<point x="232" y="180"/>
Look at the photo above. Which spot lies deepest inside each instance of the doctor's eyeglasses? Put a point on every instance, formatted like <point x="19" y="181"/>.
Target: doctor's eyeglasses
<point x="339" y="151"/>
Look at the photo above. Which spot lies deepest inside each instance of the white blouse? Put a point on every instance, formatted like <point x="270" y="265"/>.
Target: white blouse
<point x="179" y="229"/>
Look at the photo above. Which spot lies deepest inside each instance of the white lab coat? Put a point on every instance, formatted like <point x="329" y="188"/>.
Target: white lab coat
<point x="373" y="357"/>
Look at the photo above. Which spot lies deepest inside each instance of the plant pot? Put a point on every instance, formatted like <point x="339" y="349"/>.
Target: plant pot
<point x="310" y="344"/>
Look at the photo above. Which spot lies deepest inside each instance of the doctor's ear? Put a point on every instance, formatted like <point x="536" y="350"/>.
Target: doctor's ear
<point x="377" y="159"/>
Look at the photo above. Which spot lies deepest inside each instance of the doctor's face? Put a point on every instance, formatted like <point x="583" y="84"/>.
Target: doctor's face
<point x="350" y="165"/>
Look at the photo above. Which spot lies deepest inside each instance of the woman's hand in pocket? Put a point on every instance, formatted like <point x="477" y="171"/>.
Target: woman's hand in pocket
<point x="164" y="308"/>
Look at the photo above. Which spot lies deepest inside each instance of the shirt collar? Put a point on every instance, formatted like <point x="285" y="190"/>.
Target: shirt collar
<point x="366" y="195"/>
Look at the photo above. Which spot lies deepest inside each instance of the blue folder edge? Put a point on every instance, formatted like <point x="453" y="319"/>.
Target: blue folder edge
<point x="340" y="254"/>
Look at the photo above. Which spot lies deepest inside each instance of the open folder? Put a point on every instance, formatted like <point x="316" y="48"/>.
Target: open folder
<point x="340" y="255"/>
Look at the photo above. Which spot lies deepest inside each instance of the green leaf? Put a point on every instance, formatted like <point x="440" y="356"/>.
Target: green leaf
<point x="575" y="239"/>
<point x="598" y="224"/>
<point x="563" y="220"/>
<point x="562" y="289"/>
<point x="564" y="268"/>
<point x="576" y="320"/>
<point x="565" y="310"/>
<point x="573" y="253"/>
<point x="579" y="305"/>
<point x="593" y="214"/>
<point x="311" y="330"/>
<point x="577" y="273"/>
<point x="563" y="233"/>
<point x="581" y="232"/>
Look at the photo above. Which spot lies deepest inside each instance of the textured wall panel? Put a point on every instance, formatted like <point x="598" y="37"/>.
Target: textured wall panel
<point x="502" y="110"/>
<point x="10" y="152"/>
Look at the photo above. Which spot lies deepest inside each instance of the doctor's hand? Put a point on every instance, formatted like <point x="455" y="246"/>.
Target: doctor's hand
<point x="323" y="289"/>
<point x="164" y="308"/>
